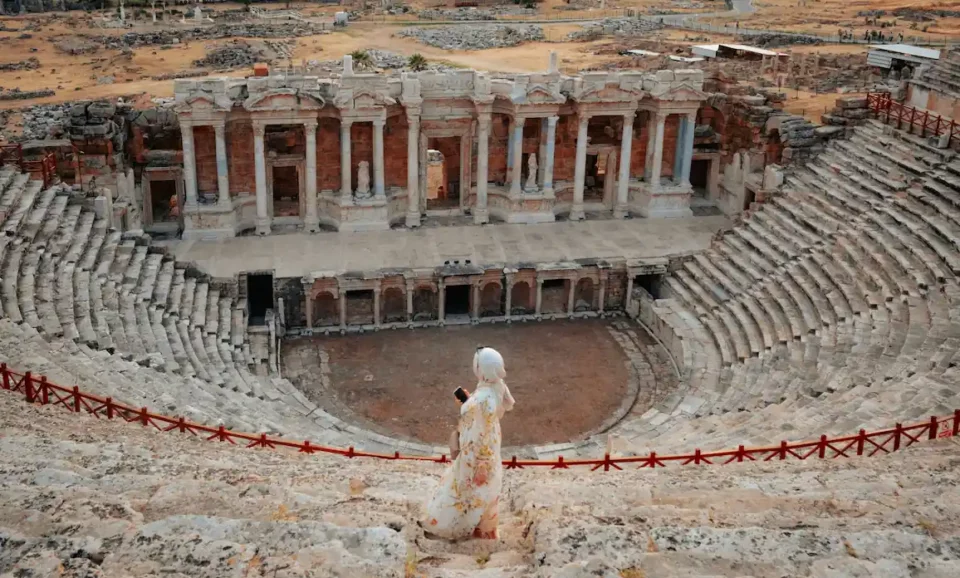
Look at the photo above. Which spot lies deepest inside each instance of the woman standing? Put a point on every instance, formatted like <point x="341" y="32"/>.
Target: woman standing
<point x="466" y="500"/>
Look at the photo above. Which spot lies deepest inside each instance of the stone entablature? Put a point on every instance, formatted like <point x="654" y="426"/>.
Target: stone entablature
<point x="379" y="186"/>
<point x="496" y="293"/>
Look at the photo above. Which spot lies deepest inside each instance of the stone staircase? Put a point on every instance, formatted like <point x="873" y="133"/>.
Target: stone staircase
<point x="87" y="497"/>
<point x="943" y="74"/>
<point x="833" y="307"/>
<point x="120" y="316"/>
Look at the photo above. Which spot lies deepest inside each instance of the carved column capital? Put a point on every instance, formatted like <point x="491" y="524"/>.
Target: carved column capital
<point x="518" y="121"/>
<point x="310" y="126"/>
<point x="346" y="123"/>
<point x="584" y="120"/>
<point x="629" y="116"/>
<point x="259" y="128"/>
<point x="379" y="122"/>
<point x="552" y="120"/>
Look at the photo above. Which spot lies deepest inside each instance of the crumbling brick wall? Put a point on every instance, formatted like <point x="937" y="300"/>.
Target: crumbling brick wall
<point x="205" y="151"/>
<point x="328" y="154"/>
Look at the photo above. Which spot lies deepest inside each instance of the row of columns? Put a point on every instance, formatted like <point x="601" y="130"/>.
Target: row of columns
<point x="441" y="287"/>
<point x="652" y="168"/>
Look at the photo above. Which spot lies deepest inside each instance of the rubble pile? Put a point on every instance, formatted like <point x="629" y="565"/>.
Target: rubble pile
<point x="849" y="110"/>
<point x="474" y="14"/>
<point x="912" y="14"/>
<point x="29" y="64"/>
<point x="99" y="120"/>
<point x="774" y="39"/>
<point x="384" y="60"/>
<point x="17" y="94"/>
<point x="77" y="46"/>
<point x="160" y="37"/>
<point x="613" y="27"/>
<point x="475" y="37"/>
<point x="237" y="54"/>
<point x="44" y="121"/>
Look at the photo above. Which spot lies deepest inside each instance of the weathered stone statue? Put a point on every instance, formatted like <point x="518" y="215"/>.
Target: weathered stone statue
<point x="531" y="172"/>
<point x="363" y="180"/>
<point x="197" y="14"/>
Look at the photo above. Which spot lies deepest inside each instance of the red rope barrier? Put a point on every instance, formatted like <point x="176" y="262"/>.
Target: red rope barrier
<point x="43" y="392"/>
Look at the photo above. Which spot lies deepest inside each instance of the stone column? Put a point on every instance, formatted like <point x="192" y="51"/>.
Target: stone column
<point x="687" y="148"/>
<point x="571" y="296"/>
<point x="346" y="168"/>
<point x="509" y="299"/>
<point x="602" y="295"/>
<point x="678" y="149"/>
<point x="260" y="171"/>
<point x="517" y="171"/>
<point x="189" y="164"/>
<point x="476" y="301"/>
<point x="480" y="213"/>
<point x="308" y="304"/>
<point x="311" y="221"/>
<point x="223" y="171"/>
<point x="413" y="170"/>
<point x="654" y="158"/>
<point x="441" y="299"/>
<point x="580" y="172"/>
<point x="629" y="298"/>
<point x="411" y="288"/>
<point x="376" y="304"/>
<point x="542" y="151"/>
<point x="623" y="179"/>
<point x="343" y="309"/>
<point x="509" y="171"/>
<point x="378" y="187"/>
<point x="548" y="156"/>
<point x="539" y="296"/>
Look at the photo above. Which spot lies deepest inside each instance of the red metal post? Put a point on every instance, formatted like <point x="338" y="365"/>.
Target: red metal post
<point x="956" y="422"/>
<point x="934" y="428"/>
<point x="44" y="391"/>
<point x="897" y="432"/>
<point x="77" y="396"/>
<point x="822" y="448"/>
<point x="861" y="440"/>
<point x="5" y="373"/>
<point x="109" y="405"/>
<point x="926" y="118"/>
<point x="28" y="386"/>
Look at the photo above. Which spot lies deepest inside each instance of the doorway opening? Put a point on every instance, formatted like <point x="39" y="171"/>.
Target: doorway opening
<point x="699" y="171"/>
<point x="286" y="192"/>
<point x="594" y="178"/>
<point x="748" y="198"/>
<point x="553" y="296"/>
<point x="443" y="173"/>
<point x="456" y="300"/>
<point x="259" y="296"/>
<point x="650" y="284"/>
<point x="164" y="202"/>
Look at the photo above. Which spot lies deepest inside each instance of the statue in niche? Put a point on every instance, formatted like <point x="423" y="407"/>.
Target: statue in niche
<point x="531" y="172"/>
<point x="363" y="180"/>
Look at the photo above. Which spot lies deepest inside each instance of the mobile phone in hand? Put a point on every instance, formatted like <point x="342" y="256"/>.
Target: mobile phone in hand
<point x="461" y="395"/>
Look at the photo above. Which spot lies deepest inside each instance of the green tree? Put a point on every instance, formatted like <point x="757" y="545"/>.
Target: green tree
<point x="417" y="62"/>
<point x="361" y="59"/>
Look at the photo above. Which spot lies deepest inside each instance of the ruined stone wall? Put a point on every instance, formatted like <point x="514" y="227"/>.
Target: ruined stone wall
<point x="361" y="149"/>
<point x="638" y="150"/>
<point x="395" y="151"/>
<point x="328" y="154"/>
<point x="291" y="291"/>
<point x="239" y="137"/>
<point x="616" y="290"/>
<point x="565" y="148"/>
<point x="497" y="153"/>
<point x="205" y="147"/>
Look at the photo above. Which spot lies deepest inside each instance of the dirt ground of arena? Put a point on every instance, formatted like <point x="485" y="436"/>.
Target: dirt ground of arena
<point x="567" y="377"/>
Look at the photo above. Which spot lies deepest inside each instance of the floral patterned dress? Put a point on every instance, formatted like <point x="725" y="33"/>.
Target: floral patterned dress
<point x="466" y="500"/>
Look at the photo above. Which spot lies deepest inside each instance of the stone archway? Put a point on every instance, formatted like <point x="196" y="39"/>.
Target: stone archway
<point x="584" y="296"/>
<point x="520" y="299"/>
<point x="394" y="305"/>
<point x="490" y="300"/>
<point x="425" y="303"/>
<point x="326" y="310"/>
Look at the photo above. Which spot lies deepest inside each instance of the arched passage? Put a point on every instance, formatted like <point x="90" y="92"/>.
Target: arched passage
<point x="424" y="304"/>
<point x="583" y="296"/>
<point x="394" y="305"/>
<point x="490" y="300"/>
<point x="520" y="299"/>
<point x="326" y="310"/>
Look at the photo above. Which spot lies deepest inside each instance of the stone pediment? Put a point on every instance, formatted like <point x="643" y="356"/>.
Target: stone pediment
<point x="361" y="98"/>
<point x="608" y="93"/>
<point x="538" y="94"/>
<point x="284" y="99"/>
<point x="678" y="92"/>
<point x="203" y="102"/>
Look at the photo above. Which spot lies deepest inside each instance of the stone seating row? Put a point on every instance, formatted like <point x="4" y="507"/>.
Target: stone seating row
<point x="825" y="310"/>
<point x="67" y="362"/>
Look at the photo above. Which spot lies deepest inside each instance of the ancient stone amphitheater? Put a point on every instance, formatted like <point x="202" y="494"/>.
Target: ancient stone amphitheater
<point x="829" y="308"/>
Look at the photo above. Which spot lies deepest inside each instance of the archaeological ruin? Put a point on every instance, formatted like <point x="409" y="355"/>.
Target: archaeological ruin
<point x="236" y="300"/>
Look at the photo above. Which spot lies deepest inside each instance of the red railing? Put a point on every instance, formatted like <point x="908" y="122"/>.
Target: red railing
<point x="46" y="166"/>
<point x="863" y="443"/>
<point x="891" y="111"/>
